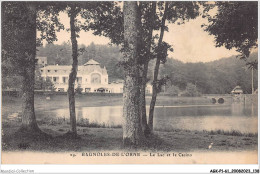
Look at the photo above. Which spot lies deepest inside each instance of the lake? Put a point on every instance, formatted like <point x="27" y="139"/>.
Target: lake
<point x="227" y="117"/>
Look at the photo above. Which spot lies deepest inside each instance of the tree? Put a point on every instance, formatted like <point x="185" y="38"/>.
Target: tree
<point x="86" y="10"/>
<point x="151" y="16"/>
<point x="234" y="25"/>
<point x="161" y="56"/>
<point x="252" y="66"/>
<point x="191" y="90"/>
<point x="19" y="24"/>
<point x="56" y="54"/>
<point x="124" y="30"/>
<point x="132" y="131"/>
<point x="173" y="90"/>
<point x="147" y="16"/>
<point x="72" y="13"/>
<point x="19" y="20"/>
<point x="173" y="12"/>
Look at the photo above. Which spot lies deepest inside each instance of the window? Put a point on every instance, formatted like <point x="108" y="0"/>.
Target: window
<point x="49" y="70"/>
<point x="55" y="79"/>
<point x="41" y="70"/>
<point x="86" y="80"/>
<point x="95" y="78"/>
<point x="79" y="80"/>
<point x="55" y="70"/>
<point x="65" y="79"/>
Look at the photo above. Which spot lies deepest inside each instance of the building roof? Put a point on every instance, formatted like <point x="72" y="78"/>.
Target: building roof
<point x="64" y="69"/>
<point x="91" y="62"/>
<point x="237" y="89"/>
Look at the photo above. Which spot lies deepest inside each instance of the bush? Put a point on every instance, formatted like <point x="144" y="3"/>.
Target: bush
<point x="173" y="90"/>
<point x="191" y="91"/>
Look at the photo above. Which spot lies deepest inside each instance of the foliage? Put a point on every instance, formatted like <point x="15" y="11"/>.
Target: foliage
<point x="217" y="77"/>
<point x="173" y="90"/>
<point x="191" y="90"/>
<point x="14" y="18"/>
<point x="14" y="82"/>
<point x="234" y="25"/>
<point x="45" y="85"/>
<point x="108" y="22"/>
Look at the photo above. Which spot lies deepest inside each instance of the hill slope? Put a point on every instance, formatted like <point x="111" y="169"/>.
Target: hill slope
<point x="219" y="76"/>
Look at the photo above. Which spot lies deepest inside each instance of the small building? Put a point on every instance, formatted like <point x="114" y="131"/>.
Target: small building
<point x="237" y="90"/>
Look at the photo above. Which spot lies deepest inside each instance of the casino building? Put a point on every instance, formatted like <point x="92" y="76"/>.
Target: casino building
<point x="91" y="77"/>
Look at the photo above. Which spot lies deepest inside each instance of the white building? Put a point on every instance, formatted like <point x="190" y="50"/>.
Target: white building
<point x="90" y="77"/>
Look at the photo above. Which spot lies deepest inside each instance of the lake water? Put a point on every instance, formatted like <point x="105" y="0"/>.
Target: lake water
<point x="236" y="116"/>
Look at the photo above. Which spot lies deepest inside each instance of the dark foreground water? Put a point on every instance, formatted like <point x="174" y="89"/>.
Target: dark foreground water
<point x="236" y="116"/>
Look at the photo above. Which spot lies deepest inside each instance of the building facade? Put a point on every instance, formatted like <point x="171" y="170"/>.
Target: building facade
<point x="91" y="77"/>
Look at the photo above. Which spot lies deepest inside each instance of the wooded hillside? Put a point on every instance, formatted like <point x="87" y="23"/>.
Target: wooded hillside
<point x="216" y="77"/>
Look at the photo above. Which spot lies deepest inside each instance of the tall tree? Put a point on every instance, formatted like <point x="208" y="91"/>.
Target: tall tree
<point x="86" y="10"/>
<point x="73" y="12"/>
<point x="173" y="12"/>
<point x="29" y="52"/>
<point x="147" y="17"/>
<point x="19" y="24"/>
<point x="149" y="47"/>
<point x="161" y="54"/>
<point x="132" y="131"/>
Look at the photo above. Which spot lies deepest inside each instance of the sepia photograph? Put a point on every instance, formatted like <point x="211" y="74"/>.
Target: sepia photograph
<point x="129" y="82"/>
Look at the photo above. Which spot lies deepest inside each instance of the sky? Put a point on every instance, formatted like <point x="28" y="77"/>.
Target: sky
<point x="189" y="41"/>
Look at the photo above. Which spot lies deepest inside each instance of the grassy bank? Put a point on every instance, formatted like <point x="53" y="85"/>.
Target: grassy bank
<point x="92" y="139"/>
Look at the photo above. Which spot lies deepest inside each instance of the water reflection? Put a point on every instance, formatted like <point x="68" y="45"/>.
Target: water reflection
<point x="237" y="116"/>
<point x="105" y="114"/>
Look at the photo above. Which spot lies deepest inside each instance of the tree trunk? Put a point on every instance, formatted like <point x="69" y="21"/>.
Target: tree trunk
<point x="73" y="73"/>
<point x="145" y="127"/>
<point x="156" y="71"/>
<point x="132" y="131"/>
<point x="29" y="53"/>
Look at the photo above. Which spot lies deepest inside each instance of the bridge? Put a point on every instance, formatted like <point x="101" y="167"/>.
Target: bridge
<point x="229" y="98"/>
